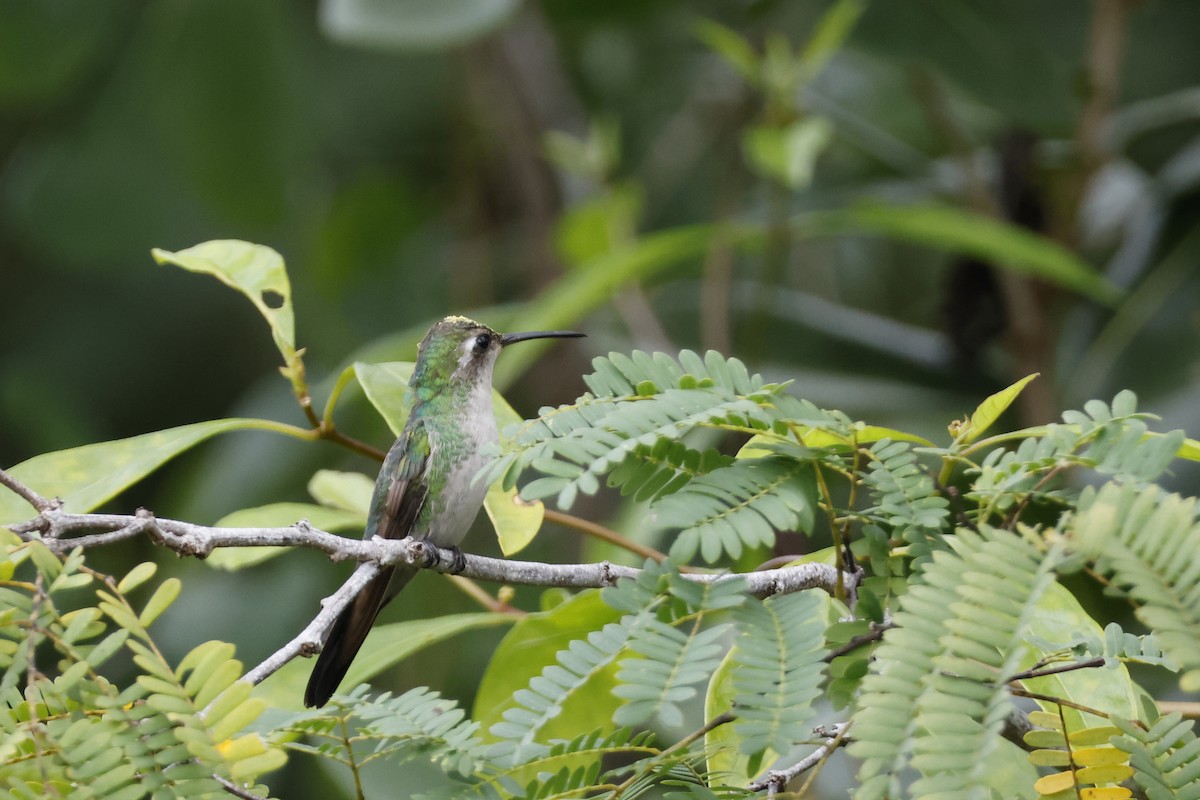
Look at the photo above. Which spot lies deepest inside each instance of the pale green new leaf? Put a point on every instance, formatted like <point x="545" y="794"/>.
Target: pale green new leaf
<point x="256" y="271"/>
<point x="990" y="410"/>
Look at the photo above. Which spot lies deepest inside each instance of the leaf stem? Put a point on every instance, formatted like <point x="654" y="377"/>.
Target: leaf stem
<point x="604" y="534"/>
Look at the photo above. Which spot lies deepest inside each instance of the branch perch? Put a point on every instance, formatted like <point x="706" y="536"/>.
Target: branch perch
<point x="54" y="528"/>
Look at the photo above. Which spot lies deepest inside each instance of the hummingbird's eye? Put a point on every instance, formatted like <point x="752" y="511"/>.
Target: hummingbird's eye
<point x="482" y="341"/>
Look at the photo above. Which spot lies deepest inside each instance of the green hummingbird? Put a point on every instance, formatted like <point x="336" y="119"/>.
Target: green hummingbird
<point x="427" y="487"/>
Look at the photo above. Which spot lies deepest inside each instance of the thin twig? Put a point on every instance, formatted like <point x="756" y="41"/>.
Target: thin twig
<point x="1041" y="673"/>
<point x="777" y="779"/>
<point x="682" y="744"/>
<point x="603" y="533"/>
<point x="310" y="640"/>
<point x="27" y="494"/>
<point x="1060" y="701"/>
<point x="874" y="634"/>
<point x="235" y="790"/>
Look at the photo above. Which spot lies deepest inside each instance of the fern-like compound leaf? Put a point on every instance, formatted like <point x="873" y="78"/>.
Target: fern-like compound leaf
<point x="933" y="700"/>
<point x="777" y="670"/>
<point x="741" y="506"/>
<point x="1149" y="542"/>
<point x="1165" y="758"/>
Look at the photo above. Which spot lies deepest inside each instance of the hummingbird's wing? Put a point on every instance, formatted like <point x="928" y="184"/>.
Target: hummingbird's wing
<point x="400" y="494"/>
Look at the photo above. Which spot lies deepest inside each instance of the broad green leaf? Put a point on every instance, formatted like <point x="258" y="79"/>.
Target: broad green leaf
<point x="529" y="648"/>
<point x="1007" y="245"/>
<point x="347" y="491"/>
<point x="412" y="24"/>
<point x="386" y="386"/>
<point x="387" y="645"/>
<point x="84" y="477"/>
<point x="278" y="515"/>
<point x="254" y="270"/>
<point x="990" y="410"/>
<point x="1060" y="618"/>
<point x="1190" y="450"/>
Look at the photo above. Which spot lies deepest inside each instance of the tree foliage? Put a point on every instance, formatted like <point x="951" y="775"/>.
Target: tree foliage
<point x="962" y="545"/>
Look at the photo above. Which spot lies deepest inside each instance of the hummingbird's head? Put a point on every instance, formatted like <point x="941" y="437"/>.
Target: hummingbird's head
<point x="458" y="351"/>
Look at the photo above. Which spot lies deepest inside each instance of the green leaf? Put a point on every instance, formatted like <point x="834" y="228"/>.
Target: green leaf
<point x="84" y="477"/>
<point x="530" y="647"/>
<point x="1059" y="617"/>
<point x="731" y="46"/>
<point x="1009" y="246"/>
<point x="600" y="225"/>
<point x="990" y="410"/>
<point x="254" y="270"/>
<point x="137" y="576"/>
<point x="347" y="491"/>
<point x="387" y="645"/>
<point x="163" y="596"/>
<point x="788" y="155"/>
<point x="386" y="386"/>
<point x="832" y="31"/>
<point x="278" y="515"/>
<point x="412" y="24"/>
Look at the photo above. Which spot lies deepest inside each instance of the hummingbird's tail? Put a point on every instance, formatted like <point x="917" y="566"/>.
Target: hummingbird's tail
<point x="348" y="633"/>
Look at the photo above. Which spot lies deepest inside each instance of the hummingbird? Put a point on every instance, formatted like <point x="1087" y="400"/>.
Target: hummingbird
<point x="427" y="487"/>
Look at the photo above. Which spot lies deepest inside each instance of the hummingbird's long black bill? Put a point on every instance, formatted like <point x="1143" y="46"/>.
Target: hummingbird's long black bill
<point x="512" y="338"/>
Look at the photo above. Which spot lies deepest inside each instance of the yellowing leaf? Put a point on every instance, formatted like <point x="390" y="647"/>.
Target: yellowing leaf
<point x="1045" y="739"/>
<point x="1190" y="450"/>
<point x="1093" y="736"/>
<point x="1111" y="773"/>
<point x="516" y="521"/>
<point x="1105" y="793"/>
<point x="1099" y="756"/>
<point x="1050" y="758"/>
<point x="1058" y="782"/>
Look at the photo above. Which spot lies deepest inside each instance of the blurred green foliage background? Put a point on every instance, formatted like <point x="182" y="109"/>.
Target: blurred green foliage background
<point x="415" y="158"/>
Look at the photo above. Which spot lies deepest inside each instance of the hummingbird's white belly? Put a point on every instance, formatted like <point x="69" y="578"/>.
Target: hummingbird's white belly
<point x="463" y="495"/>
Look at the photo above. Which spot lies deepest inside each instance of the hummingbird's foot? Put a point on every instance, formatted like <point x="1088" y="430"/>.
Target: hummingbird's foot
<point x="458" y="561"/>
<point x="430" y="557"/>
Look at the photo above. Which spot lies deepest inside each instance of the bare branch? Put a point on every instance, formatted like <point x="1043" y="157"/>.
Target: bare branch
<point x="189" y="539"/>
<point x="777" y="779"/>
<point x="310" y="640"/>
